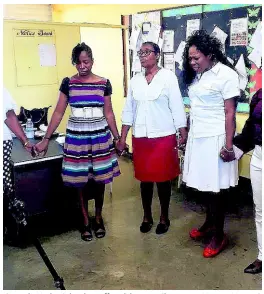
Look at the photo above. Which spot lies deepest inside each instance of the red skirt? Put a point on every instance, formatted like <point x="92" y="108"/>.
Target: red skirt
<point x="155" y="159"/>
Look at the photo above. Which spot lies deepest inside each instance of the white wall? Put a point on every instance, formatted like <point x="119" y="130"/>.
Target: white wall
<point x="39" y="12"/>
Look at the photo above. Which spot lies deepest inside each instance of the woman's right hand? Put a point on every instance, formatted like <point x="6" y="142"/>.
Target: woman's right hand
<point x="42" y="146"/>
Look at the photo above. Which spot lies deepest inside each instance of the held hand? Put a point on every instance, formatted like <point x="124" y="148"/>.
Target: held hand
<point x="120" y="147"/>
<point x="28" y="146"/>
<point x="42" y="147"/>
<point x="227" y="155"/>
<point x="182" y="143"/>
<point x="183" y="138"/>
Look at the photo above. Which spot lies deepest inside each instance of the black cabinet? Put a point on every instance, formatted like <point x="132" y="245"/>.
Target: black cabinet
<point x="50" y="206"/>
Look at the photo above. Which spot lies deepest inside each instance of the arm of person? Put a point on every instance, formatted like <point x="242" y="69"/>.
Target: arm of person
<point x="230" y="126"/>
<point x="230" y="93"/>
<point x="245" y="141"/>
<point x="110" y="117"/>
<point x="54" y="122"/>
<point x="12" y="122"/>
<point x="127" y="119"/>
<point x="177" y="108"/>
<point x="108" y="111"/>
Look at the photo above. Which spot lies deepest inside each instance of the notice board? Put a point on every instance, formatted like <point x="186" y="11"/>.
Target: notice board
<point x="221" y="16"/>
<point x="35" y="57"/>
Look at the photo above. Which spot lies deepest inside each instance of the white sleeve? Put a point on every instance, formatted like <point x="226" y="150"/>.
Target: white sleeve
<point x="238" y="152"/>
<point x="8" y="102"/>
<point x="231" y="85"/>
<point x="176" y="103"/>
<point x="127" y="114"/>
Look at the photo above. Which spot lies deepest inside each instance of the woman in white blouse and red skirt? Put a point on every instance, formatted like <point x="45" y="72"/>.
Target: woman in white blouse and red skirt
<point x="154" y="109"/>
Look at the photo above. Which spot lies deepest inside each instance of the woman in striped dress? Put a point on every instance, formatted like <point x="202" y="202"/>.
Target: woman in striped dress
<point x="89" y="153"/>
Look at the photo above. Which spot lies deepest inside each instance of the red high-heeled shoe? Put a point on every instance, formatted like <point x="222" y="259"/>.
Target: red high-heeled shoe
<point x="196" y="234"/>
<point x="210" y="252"/>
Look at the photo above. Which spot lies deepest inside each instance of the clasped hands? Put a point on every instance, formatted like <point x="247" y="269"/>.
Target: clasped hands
<point x="120" y="146"/>
<point x="40" y="148"/>
<point x="227" y="155"/>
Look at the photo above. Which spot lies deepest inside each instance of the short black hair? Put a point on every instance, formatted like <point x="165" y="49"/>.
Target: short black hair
<point x="208" y="45"/>
<point x="155" y="46"/>
<point x="76" y="51"/>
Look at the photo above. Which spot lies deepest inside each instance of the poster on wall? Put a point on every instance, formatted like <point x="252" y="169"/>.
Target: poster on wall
<point x="139" y="18"/>
<point x="169" y="62"/>
<point x="168" y="41"/>
<point x="179" y="53"/>
<point x="239" y="32"/>
<point x="192" y="26"/>
<point x="47" y="54"/>
<point x="136" y="65"/>
<point x="153" y="34"/>
<point x="220" y="35"/>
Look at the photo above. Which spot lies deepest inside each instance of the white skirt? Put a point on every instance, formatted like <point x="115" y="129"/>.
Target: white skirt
<point x="203" y="167"/>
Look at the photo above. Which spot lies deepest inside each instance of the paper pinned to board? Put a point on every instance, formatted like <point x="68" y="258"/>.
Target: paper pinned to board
<point x="239" y="32"/>
<point x="134" y="38"/>
<point x="256" y="40"/>
<point x="179" y="53"/>
<point x="220" y="35"/>
<point x="47" y="54"/>
<point x="169" y="62"/>
<point x="153" y="34"/>
<point x="136" y="65"/>
<point x="192" y="26"/>
<point x="160" y="43"/>
<point x="255" y="56"/>
<point x="241" y="68"/>
<point x="168" y="41"/>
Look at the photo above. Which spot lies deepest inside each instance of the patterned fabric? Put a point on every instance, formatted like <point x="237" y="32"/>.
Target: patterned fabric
<point x="251" y="134"/>
<point x="88" y="150"/>
<point x="7" y="179"/>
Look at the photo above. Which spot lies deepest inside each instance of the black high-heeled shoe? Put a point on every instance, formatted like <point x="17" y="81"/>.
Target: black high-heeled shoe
<point x="254" y="268"/>
<point x="99" y="228"/>
<point x="86" y="234"/>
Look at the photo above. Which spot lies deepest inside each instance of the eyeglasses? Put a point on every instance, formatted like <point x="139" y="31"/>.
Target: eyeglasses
<point x="144" y="53"/>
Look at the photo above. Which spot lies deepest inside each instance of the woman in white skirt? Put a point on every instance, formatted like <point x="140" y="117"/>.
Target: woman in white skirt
<point x="209" y="164"/>
<point x="249" y="139"/>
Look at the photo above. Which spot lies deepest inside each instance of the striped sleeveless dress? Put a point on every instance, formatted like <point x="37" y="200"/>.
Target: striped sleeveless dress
<point x="89" y="152"/>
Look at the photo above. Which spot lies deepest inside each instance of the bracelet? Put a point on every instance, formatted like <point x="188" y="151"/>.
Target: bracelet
<point x="232" y="150"/>
<point x="116" y="138"/>
<point x="26" y="143"/>
<point x="47" y="138"/>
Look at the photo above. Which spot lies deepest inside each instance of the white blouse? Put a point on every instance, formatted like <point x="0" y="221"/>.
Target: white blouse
<point x="155" y="109"/>
<point x="207" y="95"/>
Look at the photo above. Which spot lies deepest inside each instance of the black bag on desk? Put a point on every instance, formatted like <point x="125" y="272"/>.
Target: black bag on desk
<point x="38" y="116"/>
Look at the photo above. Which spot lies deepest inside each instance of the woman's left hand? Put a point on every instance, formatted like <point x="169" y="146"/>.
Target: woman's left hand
<point x="28" y="146"/>
<point x="227" y="155"/>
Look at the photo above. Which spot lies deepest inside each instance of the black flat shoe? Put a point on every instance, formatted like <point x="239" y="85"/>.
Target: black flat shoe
<point x="254" y="268"/>
<point x="87" y="233"/>
<point x="162" y="228"/>
<point x="146" y="226"/>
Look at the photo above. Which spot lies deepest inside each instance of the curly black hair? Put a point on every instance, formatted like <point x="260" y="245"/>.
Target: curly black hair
<point x="76" y="51"/>
<point x="207" y="44"/>
<point x="155" y="46"/>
